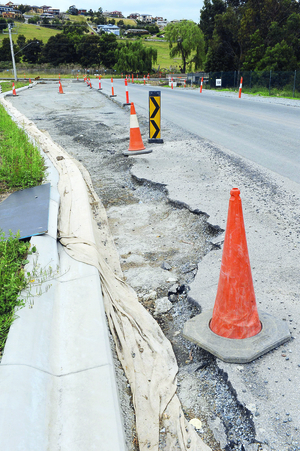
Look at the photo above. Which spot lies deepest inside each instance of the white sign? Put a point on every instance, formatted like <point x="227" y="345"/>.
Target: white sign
<point x="218" y="81"/>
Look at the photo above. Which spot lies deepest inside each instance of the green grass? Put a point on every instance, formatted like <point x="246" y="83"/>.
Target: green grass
<point x="264" y="92"/>
<point x="31" y="31"/>
<point x="7" y="85"/>
<point x="21" y="164"/>
<point x="77" y="19"/>
<point x="13" y="254"/>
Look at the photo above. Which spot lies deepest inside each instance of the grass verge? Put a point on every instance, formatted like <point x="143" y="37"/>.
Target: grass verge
<point x="7" y="85"/>
<point x="21" y="166"/>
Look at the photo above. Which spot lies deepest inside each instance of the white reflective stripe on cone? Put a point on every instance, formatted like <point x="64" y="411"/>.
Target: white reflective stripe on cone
<point x="134" y="121"/>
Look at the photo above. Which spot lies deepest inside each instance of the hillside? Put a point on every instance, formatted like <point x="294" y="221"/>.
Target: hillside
<point x="31" y="31"/>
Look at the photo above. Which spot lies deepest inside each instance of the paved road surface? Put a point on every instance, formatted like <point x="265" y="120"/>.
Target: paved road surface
<point x="266" y="133"/>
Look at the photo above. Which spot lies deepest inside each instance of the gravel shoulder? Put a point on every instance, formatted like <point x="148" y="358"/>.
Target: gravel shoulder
<point x="167" y="212"/>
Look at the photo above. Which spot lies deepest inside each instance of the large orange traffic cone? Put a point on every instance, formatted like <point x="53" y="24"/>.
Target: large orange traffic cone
<point x="235" y="313"/>
<point x="232" y="331"/>
<point x="60" y="90"/>
<point x="136" y="145"/>
<point x="14" y="90"/>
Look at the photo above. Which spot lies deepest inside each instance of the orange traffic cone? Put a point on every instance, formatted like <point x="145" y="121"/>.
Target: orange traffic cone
<point x="233" y="331"/>
<point x="136" y="145"/>
<point x="235" y="313"/>
<point x="60" y="90"/>
<point x="14" y="90"/>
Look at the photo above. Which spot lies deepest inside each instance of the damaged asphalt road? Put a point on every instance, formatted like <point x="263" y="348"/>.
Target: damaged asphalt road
<point x="167" y="212"/>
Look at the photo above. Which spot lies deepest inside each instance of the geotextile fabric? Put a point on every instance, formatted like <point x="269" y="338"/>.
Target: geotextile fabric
<point x="145" y="353"/>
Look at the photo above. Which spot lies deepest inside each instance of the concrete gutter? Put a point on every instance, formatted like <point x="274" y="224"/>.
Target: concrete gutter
<point x="57" y="381"/>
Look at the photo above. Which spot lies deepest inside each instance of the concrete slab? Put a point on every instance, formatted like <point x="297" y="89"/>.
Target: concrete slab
<point x="40" y="411"/>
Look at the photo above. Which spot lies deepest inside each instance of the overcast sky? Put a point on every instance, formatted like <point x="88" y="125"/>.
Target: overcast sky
<point x="168" y="9"/>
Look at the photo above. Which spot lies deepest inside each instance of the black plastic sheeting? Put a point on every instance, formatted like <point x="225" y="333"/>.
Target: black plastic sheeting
<point x="26" y="211"/>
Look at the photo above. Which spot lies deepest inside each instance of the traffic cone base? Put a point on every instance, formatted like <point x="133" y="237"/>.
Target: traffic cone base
<point x="274" y="332"/>
<point x="132" y="153"/>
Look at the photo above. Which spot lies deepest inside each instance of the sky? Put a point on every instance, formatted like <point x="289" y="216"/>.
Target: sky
<point x="168" y="9"/>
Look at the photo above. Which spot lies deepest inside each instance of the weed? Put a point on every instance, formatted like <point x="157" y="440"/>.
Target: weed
<point x="13" y="257"/>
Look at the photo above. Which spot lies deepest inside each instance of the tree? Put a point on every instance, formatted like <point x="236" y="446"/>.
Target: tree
<point x="278" y="58"/>
<point x="186" y="40"/>
<point x="24" y="8"/>
<point x="135" y="57"/>
<point x="21" y="41"/>
<point x="89" y="50"/>
<point x="3" y="24"/>
<point x="5" y="52"/>
<point x="60" y="49"/>
<point x="73" y="10"/>
<point x="99" y="19"/>
<point x="208" y="13"/>
<point x="225" y="49"/>
<point x="75" y="28"/>
<point x="108" y="46"/>
<point x="32" y="53"/>
<point x="34" y="19"/>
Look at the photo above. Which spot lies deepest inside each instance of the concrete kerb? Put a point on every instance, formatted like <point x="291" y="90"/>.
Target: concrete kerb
<point x="57" y="367"/>
<point x="274" y="332"/>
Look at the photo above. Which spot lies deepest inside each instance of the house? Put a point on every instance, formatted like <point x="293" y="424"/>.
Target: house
<point x="108" y="28"/>
<point x="45" y="8"/>
<point x="116" y="14"/>
<point x="12" y="14"/>
<point x="47" y="16"/>
<point x="161" y="23"/>
<point x="5" y="8"/>
<point x="82" y="12"/>
<point x="147" y="18"/>
<point x="134" y="16"/>
<point x="54" y="11"/>
<point x="36" y="10"/>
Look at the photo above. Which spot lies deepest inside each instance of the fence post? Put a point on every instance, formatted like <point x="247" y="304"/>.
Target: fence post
<point x="294" y="83"/>
<point x="250" y="80"/>
<point x="270" y="82"/>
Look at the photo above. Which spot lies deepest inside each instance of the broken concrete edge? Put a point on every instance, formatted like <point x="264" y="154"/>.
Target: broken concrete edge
<point x="274" y="332"/>
<point x="54" y="371"/>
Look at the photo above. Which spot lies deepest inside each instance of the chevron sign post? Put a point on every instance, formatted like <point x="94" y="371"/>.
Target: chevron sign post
<point x="154" y="117"/>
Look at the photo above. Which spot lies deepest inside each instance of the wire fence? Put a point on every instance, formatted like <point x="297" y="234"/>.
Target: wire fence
<point x="284" y="83"/>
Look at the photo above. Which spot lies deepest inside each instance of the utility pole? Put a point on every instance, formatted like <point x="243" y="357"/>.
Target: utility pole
<point x="12" y="51"/>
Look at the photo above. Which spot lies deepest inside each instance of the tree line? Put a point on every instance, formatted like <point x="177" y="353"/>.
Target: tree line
<point x="251" y="34"/>
<point x="74" y="46"/>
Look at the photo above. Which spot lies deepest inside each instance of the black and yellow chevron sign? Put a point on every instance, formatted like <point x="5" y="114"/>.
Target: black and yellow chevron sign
<point x="154" y="117"/>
